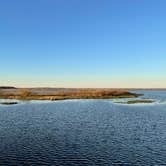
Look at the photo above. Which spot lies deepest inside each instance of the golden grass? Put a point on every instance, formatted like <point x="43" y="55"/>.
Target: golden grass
<point x="27" y="94"/>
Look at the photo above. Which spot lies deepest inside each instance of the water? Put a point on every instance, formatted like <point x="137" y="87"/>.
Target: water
<point x="84" y="132"/>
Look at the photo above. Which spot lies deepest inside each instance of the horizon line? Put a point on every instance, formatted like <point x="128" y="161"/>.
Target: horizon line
<point x="52" y="87"/>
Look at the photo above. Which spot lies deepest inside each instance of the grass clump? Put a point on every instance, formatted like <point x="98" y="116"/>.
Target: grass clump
<point x="136" y="101"/>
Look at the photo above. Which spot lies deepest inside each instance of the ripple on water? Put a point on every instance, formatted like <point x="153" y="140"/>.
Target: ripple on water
<point x="82" y="132"/>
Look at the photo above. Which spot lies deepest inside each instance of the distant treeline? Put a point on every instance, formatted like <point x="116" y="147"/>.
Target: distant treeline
<point x="7" y="87"/>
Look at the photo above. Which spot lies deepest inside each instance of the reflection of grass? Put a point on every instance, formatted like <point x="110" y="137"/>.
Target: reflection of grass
<point x="136" y="101"/>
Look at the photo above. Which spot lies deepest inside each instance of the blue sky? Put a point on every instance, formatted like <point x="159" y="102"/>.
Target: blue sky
<point x="83" y="43"/>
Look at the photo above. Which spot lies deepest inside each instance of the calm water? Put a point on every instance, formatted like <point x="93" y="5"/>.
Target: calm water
<point x="84" y="132"/>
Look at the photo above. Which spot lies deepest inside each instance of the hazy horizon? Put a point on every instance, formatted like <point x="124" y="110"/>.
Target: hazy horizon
<point x="83" y="44"/>
<point x="126" y="85"/>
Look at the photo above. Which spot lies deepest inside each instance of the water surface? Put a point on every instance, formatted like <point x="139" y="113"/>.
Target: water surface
<point x="84" y="132"/>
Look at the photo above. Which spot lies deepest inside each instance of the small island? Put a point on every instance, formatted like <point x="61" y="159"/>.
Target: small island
<point x="135" y="101"/>
<point x="64" y="93"/>
<point x="8" y="103"/>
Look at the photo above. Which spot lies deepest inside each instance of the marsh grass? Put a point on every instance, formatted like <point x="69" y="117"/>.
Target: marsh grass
<point x="32" y="94"/>
<point x="136" y="101"/>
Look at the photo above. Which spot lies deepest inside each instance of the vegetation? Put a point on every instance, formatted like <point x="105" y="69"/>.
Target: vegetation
<point x="24" y="93"/>
<point x="61" y="94"/>
<point x="136" y="101"/>
<point x="7" y="87"/>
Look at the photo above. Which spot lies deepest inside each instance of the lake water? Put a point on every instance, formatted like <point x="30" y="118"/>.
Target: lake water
<point x="84" y="132"/>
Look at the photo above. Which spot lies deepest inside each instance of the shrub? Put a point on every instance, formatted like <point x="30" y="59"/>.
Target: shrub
<point x="25" y="93"/>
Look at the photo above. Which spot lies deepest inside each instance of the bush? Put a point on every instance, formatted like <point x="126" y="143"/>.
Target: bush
<point x="25" y="93"/>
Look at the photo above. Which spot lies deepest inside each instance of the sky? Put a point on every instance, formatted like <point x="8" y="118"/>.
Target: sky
<point x="83" y="43"/>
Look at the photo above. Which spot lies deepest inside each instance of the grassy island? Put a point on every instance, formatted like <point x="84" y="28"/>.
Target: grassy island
<point x="64" y="93"/>
<point x="136" y="101"/>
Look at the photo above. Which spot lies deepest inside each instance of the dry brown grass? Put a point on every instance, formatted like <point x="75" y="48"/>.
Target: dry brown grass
<point x="24" y="93"/>
<point x="93" y="93"/>
<point x="31" y="94"/>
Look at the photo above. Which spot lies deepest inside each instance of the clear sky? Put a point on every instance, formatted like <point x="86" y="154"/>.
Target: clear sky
<point x="83" y="43"/>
